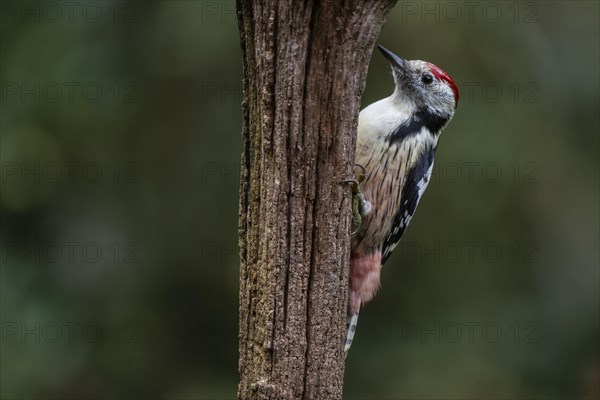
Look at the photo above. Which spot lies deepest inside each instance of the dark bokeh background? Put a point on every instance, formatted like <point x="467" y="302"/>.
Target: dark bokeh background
<point x="120" y="144"/>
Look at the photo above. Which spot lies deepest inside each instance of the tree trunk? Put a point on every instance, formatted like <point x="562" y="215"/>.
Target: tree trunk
<point x="305" y="64"/>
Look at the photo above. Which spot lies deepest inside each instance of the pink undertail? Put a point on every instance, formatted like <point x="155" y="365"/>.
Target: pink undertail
<point x="364" y="280"/>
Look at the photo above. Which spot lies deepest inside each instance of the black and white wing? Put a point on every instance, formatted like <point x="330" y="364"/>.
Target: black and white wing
<point x="416" y="181"/>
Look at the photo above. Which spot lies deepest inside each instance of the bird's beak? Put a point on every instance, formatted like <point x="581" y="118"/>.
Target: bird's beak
<point x="392" y="58"/>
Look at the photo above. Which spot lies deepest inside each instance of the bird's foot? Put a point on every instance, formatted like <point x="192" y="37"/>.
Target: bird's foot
<point x="360" y="205"/>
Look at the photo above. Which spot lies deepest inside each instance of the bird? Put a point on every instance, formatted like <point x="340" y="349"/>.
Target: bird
<point x="395" y="149"/>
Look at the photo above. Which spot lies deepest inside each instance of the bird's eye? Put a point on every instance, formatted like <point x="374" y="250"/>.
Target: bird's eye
<point x="427" y="78"/>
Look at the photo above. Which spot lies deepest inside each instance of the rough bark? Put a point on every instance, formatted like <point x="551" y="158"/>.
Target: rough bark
<point x="305" y="64"/>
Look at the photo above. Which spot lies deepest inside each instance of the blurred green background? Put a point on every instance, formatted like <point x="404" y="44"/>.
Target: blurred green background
<point x="120" y="145"/>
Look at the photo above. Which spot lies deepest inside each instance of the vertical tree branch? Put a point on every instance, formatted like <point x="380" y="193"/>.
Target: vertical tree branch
<point x="305" y="65"/>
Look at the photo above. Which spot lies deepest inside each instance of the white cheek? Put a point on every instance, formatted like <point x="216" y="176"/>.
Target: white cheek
<point x="441" y="98"/>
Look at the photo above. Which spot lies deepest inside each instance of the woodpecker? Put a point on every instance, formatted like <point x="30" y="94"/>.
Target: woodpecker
<point x="396" y="143"/>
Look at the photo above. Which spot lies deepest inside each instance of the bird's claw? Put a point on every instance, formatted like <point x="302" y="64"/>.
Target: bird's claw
<point x="360" y="205"/>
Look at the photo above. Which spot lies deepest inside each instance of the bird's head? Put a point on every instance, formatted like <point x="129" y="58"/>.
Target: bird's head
<point x="423" y="83"/>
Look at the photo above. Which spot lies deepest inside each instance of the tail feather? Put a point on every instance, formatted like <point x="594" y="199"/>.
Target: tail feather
<point x="350" y="329"/>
